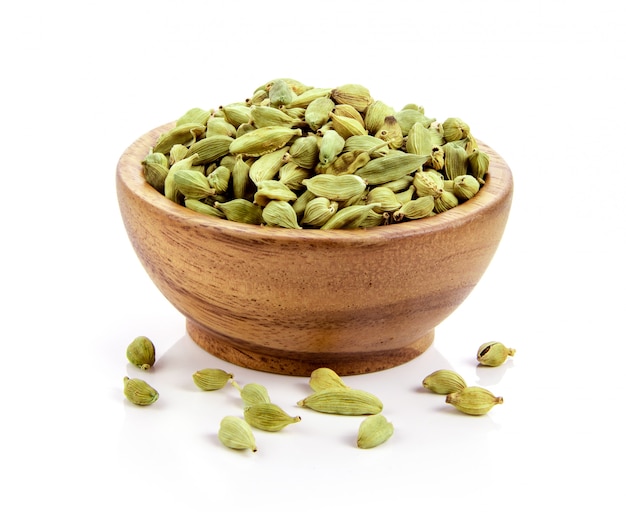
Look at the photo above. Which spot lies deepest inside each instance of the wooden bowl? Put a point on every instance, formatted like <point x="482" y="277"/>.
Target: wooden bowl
<point x="288" y="301"/>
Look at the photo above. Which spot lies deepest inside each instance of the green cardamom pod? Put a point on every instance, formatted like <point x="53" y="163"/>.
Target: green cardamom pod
<point x="236" y="433"/>
<point x="353" y="94"/>
<point x="211" y="379"/>
<point x="415" y="209"/>
<point x="330" y="146"/>
<point x="493" y="353"/>
<point x="473" y="400"/>
<point x="325" y="378"/>
<point x="454" y="128"/>
<point x="252" y="394"/>
<point x="344" y="401"/>
<point x="335" y="188"/>
<point x="268" y="416"/>
<point x="140" y="352"/>
<point x="465" y="187"/>
<point x="347" y="126"/>
<point x="270" y="190"/>
<point x="374" y="431"/>
<point x="350" y="217"/>
<point x="263" y="140"/>
<point x="139" y="392"/>
<point x="241" y="210"/>
<point x="280" y="214"/>
<point x="390" y="167"/>
<point x="444" y="382"/>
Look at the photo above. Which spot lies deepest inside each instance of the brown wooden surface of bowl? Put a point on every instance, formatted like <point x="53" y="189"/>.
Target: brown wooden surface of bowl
<point x="289" y="301"/>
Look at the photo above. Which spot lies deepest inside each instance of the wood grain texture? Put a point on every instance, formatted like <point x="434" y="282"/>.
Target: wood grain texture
<point x="289" y="301"/>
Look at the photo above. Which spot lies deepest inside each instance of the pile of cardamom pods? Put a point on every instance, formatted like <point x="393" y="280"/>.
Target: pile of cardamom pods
<point x="297" y="156"/>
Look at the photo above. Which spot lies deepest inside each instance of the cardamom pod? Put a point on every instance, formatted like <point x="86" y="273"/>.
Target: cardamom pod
<point x="347" y="126"/>
<point x="318" y="112"/>
<point x="192" y="184"/>
<point x="473" y="400"/>
<point x="252" y="394"/>
<point x="444" y="382"/>
<point x="280" y="214"/>
<point x="415" y="209"/>
<point x="325" y="378"/>
<point x="241" y="210"/>
<point x="139" y="392"/>
<point x="268" y="416"/>
<point x="236" y="433"/>
<point x="344" y="401"/>
<point x="390" y="167"/>
<point x="374" y="431"/>
<point x="318" y="211"/>
<point x="270" y="190"/>
<point x="211" y="379"/>
<point x="454" y="128"/>
<point x="140" y="352"/>
<point x="350" y="217"/>
<point x="331" y="144"/>
<point x="493" y="353"/>
<point x="353" y="94"/>
<point x="465" y="187"/>
<point x="263" y="140"/>
<point x="335" y="188"/>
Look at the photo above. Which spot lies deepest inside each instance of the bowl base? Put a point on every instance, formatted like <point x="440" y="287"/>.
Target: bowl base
<point x="302" y="364"/>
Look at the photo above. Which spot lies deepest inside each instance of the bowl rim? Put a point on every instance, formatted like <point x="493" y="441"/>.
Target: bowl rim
<point x="497" y="189"/>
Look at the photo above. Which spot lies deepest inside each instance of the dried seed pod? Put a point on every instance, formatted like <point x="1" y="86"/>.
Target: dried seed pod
<point x="493" y="353"/>
<point x="268" y="416"/>
<point x="211" y="379"/>
<point x="318" y="112"/>
<point x="347" y="163"/>
<point x="263" y="140"/>
<point x="139" y="392"/>
<point x="270" y="190"/>
<point x="219" y="126"/>
<point x="347" y="126"/>
<point x="195" y="115"/>
<point x="156" y="167"/>
<point x="192" y="184"/>
<point x="446" y="201"/>
<point x="185" y="134"/>
<point x="374" y="431"/>
<point x="407" y="117"/>
<point x="344" y="401"/>
<point x="267" y="166"/>
<point x="473" y="400"/>
<point x="263" y="115"/>
<point x="419" y="140"/>
<point x="350" y="217"/>
<point x="335" y="188"/>
<point x="375" y="115"/>
<point x="455" y="161"/>
<point x="140" y="352"/>
<point x="236" y="114"/>
<point x="281" y="93"/>
<point x="478" y="162"/>
<point x="353" y="94"/>
<point x="203" y="208"/>
<point x="331" y="144"/>
<point x="280" y="214"/>
<point x="346" y="110"/>
<point x="240" y="176"/>
<point x="374" y="146"/>
<point x="304" y="99"/>
<point x="391" y="132"/>
<point x="318" y="211"/>
<point x="304" y="151"/>
<point x="385" y="197"/>
<point x="253" y="394"/>
<point x="219" y="179"/>
<point x="390" y="167"/>
<point x="241" y="210"/>
<point x="465" y="187"/>
<point x="454" y="128"/>
<point x="444" y="382"/>
<point x="292" y="175"/>
<point x="325" y="378"/>
<point x="415" y="209"/>
<point x="236" y="433"/>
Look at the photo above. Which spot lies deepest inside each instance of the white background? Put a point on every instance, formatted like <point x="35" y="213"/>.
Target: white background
<point x="541" y="82"/>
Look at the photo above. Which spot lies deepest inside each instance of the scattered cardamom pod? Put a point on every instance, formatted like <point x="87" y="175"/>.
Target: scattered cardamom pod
<point x="493" y="353"/>
<point x="211" y="379"/>
<point x="236" y="433"/>
<point x="344" y="401"/>
<point x="325" y="378"/>
<point x="473" y="400"/>
<point x="444" y="382"/>
<point x="268" y="416"/>
<point x="252" y="394"/>
<point x="374" y="431"/>
<point x="139" y="392"/>
<point x="140" y="352"/>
